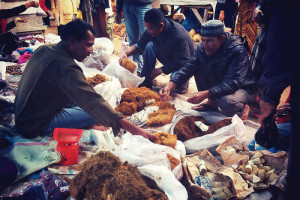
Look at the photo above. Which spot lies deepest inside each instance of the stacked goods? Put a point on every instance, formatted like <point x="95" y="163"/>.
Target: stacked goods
<point x="195" y="37"/>
<point x="194" y="126"/>
<point x="128" y="64"/>
<point x="166" y="139"/>
<point x="186" y="129"/>
<point x="173" y="161"/>
<point x="256" y="166"/>
<point x="95" y="80"/>
<point x="163" y="116"/>
<point x="104" y="176"/>
<point x="14" y="69"/>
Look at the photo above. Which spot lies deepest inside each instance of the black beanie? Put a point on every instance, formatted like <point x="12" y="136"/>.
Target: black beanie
<point x="154" y="16"/>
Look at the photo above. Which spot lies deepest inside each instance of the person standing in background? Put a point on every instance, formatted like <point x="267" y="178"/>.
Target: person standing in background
<point x="245" y="25"/>
<point x="134" y="12"/>
<point x="63" y="11"/>
<point x="226" y="11"/>
<point x="100" y="16"/>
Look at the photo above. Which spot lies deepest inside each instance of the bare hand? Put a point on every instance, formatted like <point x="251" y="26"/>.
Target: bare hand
<point x="222" y="16"/>
<point x="164" y="93"/>
<point x="155" y="73"/>
<point x="18" y="19"/>
<point x="198" y="97"/>
<point x="266" y="109"/>
<point x="118" y="18"/>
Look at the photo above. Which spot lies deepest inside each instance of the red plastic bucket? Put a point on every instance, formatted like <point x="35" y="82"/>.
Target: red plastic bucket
<point x="67" y="144"/>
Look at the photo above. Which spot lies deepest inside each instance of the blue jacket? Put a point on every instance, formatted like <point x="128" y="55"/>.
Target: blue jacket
<point x="222" y="73"/>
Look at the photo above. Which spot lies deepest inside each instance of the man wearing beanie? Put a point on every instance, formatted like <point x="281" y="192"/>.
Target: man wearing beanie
<point x="165" y="40"/>
<point x="221" y="70"/>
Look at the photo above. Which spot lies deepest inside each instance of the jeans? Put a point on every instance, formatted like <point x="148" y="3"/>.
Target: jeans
<point x="134" y="23"/>
<point x="149" y="64"/>
<point x="234" y="103"/>
<point x="73" y="117"/>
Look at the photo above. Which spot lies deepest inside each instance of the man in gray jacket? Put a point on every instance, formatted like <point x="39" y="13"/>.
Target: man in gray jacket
<point x="221" y="70"/>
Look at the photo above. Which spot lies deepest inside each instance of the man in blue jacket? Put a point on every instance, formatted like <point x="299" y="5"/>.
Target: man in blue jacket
<point x="165" y="40"/>
<point x="221" y="70"/>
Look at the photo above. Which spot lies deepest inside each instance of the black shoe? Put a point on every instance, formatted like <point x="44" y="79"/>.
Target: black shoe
<point x="147" y="83"/>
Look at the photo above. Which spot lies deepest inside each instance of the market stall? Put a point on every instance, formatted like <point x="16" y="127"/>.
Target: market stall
<point x="205" y="4"/>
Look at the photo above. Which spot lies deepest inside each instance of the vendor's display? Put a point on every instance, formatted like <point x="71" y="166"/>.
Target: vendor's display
<point x="14" y="69"/>
<point x="104" y="176"/>
<point x="129" y="65"/>
<point x="208" y="179"/>
<point x="163" y="116"/>
<point x="259" y="168"/>
<point x="119" y="30"/>
<point x="95" y="80"/>
<point x="166" y="139"/>
<point x="194" y="126"/>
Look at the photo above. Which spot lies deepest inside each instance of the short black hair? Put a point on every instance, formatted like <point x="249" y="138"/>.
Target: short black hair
<point x="154" y="16"/>
<point x="77" y="28"/>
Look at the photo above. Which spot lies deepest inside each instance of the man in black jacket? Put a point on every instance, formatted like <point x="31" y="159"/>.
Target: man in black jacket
<point x="165" y="40"/>
<point x="222" y="72"/>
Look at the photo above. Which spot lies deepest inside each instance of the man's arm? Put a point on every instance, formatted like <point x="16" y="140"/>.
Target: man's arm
<point x="235" y="75"/>
<point x="181" y="54"/>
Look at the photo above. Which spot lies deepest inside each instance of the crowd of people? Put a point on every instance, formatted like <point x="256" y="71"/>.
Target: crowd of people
<point x="223" y="72"/>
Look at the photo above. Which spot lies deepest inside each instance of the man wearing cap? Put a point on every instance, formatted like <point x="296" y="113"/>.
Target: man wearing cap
<point x="221" y="70"/>
<point x="165" y="40"/>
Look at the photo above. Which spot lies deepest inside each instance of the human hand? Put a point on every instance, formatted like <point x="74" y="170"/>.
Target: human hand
<point x="222" y="16"/>
<point x="283" y="109"/>
<point x="122" y="56"/>
<point x="266" y="109"/>
<point x="32" y="4"/>
<point x="258" y="16"/>
<point x="198" y="97"/>
<point x="155" y="73"/>
<point x="118" y="18"/>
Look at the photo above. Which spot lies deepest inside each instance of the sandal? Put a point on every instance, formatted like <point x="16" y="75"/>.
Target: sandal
<point x="204" y="107"/>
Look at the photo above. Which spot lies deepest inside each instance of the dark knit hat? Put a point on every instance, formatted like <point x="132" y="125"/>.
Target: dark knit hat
<point x="212" y="28"/>
<point x="154" y="16"/>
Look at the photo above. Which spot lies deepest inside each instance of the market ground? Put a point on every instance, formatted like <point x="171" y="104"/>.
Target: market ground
<point x="252" y="122"/>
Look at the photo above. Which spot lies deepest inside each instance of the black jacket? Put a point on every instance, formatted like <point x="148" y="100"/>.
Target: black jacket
<point x="222" y="73"/>
<point x="6" y="13"/>
<point x="173" y="47"/>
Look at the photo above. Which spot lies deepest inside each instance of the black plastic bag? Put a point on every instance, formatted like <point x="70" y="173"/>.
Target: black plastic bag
<point x="268" y="135"/>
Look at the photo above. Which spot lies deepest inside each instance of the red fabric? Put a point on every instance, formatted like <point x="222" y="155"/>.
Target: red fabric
<point x="3" y="23"/>
<point x="24" y="58"/>
<point x="287" y="118"/>
<point x="43" y="6"/>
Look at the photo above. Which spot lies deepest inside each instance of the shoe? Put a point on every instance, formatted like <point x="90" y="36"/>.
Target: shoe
<point x="147" y="83"/>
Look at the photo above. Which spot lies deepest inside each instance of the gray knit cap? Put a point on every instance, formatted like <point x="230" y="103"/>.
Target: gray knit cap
<point x="212" y="28"/>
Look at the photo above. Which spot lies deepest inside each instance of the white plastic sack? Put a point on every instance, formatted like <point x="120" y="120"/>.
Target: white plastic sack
<point x="236" y="128"/>
<point x="111" y="91"/>
<point x="165" y="180"/>
<point x="139" y="151"/>
<point x="126" y="78"/>
<point x="2" y="70"/>
<point x="101" y="140"/>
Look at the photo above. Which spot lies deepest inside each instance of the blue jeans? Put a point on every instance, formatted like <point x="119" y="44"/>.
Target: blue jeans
<point x="134" y="23"/>
<point x="73" y="117"/>
<point x="149" y="64"/>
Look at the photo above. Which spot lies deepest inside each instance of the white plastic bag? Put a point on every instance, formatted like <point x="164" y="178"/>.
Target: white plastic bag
<point x="2" y="70"/>
<point x="139" y="151"/>
<point x="236" y="128"/>
<point x="165" y="180"/>
<point x="126" y="78"/>
<point x="40" y="12"/>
